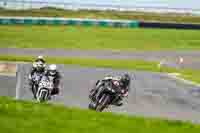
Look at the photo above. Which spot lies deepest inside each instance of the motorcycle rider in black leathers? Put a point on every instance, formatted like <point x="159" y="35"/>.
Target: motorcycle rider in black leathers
<point x="52" y="72"/>
<point x="38" y="67"/>
<point x="122" y="83"/>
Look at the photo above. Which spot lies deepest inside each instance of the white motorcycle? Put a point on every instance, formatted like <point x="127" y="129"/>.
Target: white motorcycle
<point x="44" y="89"/>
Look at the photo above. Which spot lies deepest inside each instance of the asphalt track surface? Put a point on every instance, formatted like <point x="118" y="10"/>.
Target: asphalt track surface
<point x="152" y="94"/>
<point x="156" y="94"/>
<point x="170" y="58"/>
<point x="8" y="84"/>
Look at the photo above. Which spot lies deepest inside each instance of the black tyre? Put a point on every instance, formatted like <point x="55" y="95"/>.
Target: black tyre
<point x="92" y="106"/>
<point x="43" y="96"/>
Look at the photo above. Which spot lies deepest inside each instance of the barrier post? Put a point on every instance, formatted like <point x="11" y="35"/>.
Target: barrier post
<point x="18" y="81"/>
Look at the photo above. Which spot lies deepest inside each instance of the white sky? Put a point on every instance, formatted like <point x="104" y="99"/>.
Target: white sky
<point x="166" y="3"/>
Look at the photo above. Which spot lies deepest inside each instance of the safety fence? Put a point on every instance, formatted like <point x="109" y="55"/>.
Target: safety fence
<point x="67" y="21"/>
<point x="169" y="25"/>
<point x="93" y="22"/>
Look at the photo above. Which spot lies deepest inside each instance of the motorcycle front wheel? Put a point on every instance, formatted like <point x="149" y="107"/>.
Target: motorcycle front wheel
<point x="92" y="105"/>
<point x="43" y="96"/>
<point x="103" y="102"/>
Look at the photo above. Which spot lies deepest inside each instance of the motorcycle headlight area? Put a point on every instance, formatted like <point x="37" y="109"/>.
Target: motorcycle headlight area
<point x="44" y="84"/>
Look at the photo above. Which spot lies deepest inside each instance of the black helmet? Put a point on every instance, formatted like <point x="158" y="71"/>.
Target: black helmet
<point x="126" y="79"/>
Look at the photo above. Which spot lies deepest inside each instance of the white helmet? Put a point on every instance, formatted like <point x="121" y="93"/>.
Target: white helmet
<point x="40" y="57"/>
<point x="40" y="61"/>
<point x="52" y="69"/>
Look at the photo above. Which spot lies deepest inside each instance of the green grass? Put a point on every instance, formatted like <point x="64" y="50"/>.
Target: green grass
<point x="92" y="62"/>
<point x="192" y="75"/>
<point x="23" y="117"/>
<point x="53" y="12"/>
<point x="76" y="37"/>
<point x="188" y="74"/>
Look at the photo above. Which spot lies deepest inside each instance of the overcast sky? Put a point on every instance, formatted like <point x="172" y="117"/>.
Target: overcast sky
<point x="165" y="3"/>
<point x="170" y="3"/>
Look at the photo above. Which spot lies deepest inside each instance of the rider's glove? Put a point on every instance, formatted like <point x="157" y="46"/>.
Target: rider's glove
<point x="124" y="93"/>
<point x="29" y="77"/>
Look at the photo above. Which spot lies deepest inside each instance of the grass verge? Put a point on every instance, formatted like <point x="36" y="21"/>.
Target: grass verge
<point x="192" y="75"/>
<point x="143" y="16"/>
<point x="91" y="38"/>
<point x="22" y="117"/>
<point x="92" y="62"/>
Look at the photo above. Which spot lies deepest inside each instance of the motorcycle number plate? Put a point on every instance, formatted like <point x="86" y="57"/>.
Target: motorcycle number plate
<point x="44" y="84"/>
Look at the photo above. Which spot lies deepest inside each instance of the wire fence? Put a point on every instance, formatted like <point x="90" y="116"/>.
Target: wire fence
<point x="32" y="4"/>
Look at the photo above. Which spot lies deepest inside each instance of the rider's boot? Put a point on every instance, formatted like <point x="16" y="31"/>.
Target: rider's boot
<point x="118" y="102"/>
<point x="34" y="92"/>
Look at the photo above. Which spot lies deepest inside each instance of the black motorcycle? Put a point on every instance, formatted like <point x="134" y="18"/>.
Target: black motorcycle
<point x="107" y="96"/>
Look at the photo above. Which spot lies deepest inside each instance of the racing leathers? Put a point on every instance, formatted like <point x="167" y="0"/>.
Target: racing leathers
<point x="56" y="81"/>
<point x="33" y="82"/>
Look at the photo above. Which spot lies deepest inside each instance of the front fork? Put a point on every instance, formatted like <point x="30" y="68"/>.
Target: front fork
<point x="93" y="93"/>
<point x="34" y="90"/>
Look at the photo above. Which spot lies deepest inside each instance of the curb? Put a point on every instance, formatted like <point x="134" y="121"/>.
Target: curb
<point x="8" y="74"/>
<point x="176" y="76"/>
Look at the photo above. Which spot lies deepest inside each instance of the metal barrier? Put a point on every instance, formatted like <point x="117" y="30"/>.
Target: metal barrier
<point x="169" y="25"/>
<point x="67" y="21"/>
<point x="93" y="22"/>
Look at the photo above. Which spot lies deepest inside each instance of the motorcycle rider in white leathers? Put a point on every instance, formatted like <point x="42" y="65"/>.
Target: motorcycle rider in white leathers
<point x="52" y="72"/>
<point x="38" y="66"/>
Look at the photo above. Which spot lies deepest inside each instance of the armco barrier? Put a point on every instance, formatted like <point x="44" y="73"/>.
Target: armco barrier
<point x="92" y="22"/>
<point x="67" y="21"/>
<point x="168" y="25"/>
